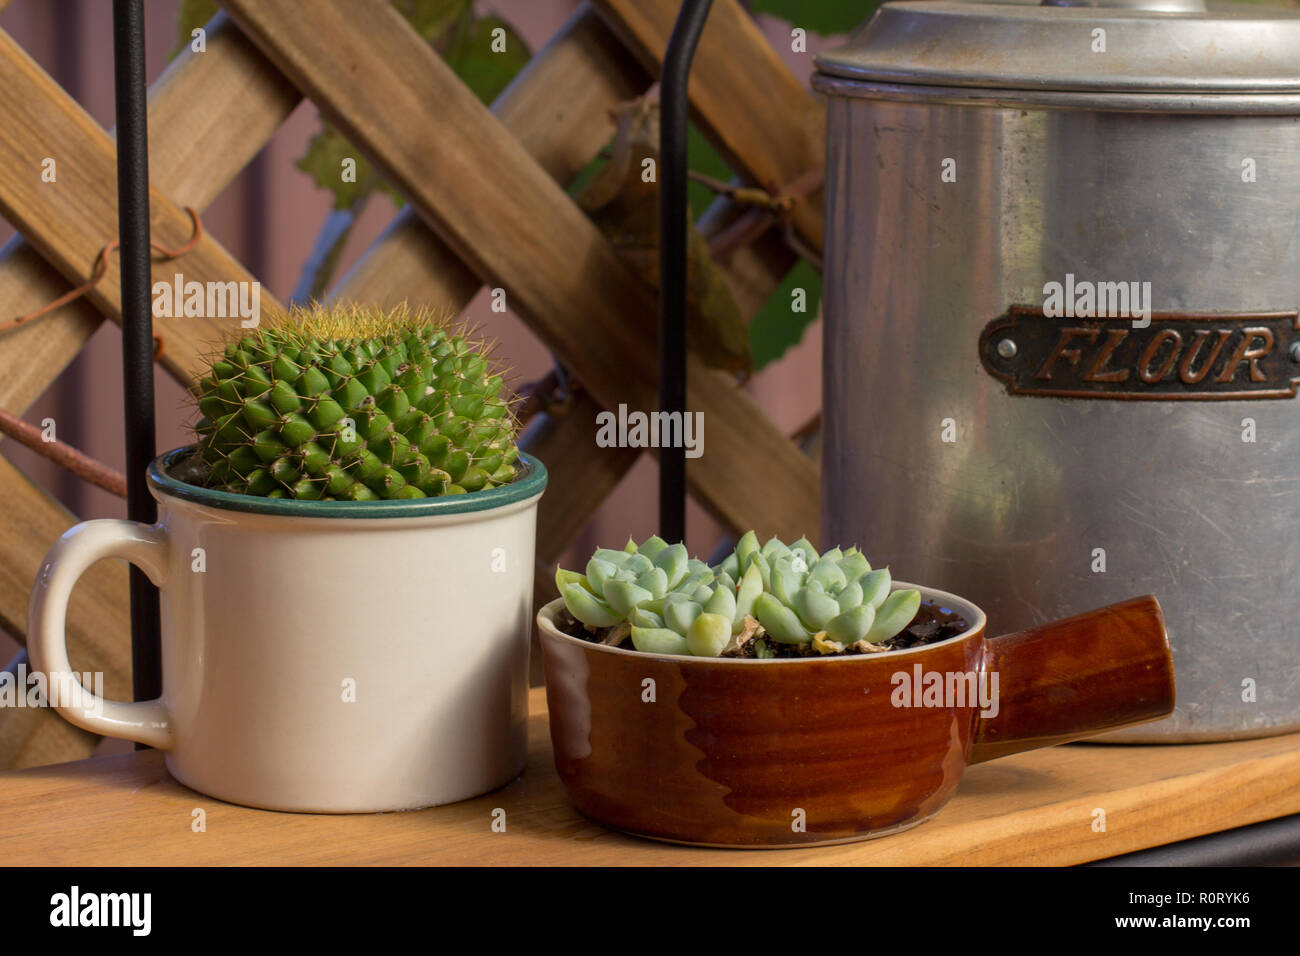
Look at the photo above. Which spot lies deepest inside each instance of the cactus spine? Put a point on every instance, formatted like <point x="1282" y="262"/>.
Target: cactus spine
<point x="352" y="403"/>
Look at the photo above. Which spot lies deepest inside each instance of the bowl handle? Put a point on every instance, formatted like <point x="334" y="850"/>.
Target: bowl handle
<point x="1083" y="675"/>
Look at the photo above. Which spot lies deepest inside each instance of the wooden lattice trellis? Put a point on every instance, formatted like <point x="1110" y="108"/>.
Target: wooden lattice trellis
<point x="485" y="204"/>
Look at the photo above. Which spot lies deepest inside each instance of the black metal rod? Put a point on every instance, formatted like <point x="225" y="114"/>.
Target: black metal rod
<point x="672" y="258"/>
<point x="137" y="323"/>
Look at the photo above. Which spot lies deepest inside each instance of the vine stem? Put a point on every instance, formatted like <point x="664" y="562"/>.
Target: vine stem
<point x="63" y="455"/>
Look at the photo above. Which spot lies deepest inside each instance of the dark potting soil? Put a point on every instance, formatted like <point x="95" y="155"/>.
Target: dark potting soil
<point x="931" y="625"/>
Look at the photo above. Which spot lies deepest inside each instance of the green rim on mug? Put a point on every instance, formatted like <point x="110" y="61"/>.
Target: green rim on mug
<point x="530" y="483"/>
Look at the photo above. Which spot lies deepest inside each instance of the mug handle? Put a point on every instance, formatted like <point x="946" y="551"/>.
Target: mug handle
<point x="1098" y="671"/>
<point x="145" y="546"/>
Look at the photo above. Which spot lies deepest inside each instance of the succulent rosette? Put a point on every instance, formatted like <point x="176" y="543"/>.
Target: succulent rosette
<point x="670" y="603"/>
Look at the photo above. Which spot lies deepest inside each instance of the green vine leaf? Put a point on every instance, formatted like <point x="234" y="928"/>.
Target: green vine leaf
<point x="777" y="326"/>
<point x="486" y="60"/>
<point x="433" y="18"/>
<point x="323" y="162"/>
<point x="486" y="53"/>
<point x="467" y="46"/>
<point x="827" y="17"/>
<point x="191" y="15"/>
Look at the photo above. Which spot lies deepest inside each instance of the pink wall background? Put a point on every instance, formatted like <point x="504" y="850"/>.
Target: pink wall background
<point x="268" y="218"/>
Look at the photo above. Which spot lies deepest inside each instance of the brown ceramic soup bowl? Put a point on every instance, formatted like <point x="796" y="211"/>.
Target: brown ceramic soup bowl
<point x="803" y="751"/>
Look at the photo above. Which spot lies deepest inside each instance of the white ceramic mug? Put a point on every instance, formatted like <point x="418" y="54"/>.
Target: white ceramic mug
<point x="319" y="656"/>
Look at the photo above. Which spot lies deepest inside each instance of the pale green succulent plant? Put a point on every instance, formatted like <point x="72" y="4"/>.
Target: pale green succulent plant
<point x="655" y="589"/>
<point x="670" y="603"/>
<point x="833" y="599"/>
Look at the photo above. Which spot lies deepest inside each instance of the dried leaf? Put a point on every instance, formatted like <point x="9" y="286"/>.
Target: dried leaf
<point x="748" y="631"/>
<point x="866" y="647"/>
<point x="617" y="634"/>
<point x="826" y="646"/>
<point x="622" y="199"/>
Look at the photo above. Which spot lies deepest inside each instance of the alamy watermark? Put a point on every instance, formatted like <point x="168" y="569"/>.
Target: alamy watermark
<point x="922" y="688"/>
<point x="23" y="688"/>
<point x="133" y="911"/>
<point x="651" y="430"/>
<point x="208" y="300"/>
<point x="1084" y="299"/>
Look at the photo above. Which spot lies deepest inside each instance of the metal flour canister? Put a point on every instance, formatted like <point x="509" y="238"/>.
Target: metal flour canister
<point x="1062" y="345"/>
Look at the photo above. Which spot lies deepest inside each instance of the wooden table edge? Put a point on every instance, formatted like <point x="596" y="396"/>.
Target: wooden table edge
<point x="1037" y="808"/>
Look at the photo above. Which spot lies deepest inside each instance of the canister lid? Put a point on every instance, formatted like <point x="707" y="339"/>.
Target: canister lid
<point x="1156" y="46"/>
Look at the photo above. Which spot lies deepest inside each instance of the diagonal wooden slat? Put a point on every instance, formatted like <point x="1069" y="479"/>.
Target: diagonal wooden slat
<point x="753" y="272"/>
<point x="753" y="109"/>
<point x="245" y="100"/>
<point x="98" y="620"/>
<point x="506" y="219"/>
<point x="582" y="70"/>
<point x="194" y="153"/>
<point x="34" y="737"/>
<point x="35" y="354"/>
<point x="558" y="109"/>
<point x="533" y="108"/>
<point x="29" y="523"/>
<point x="69" y="221"/>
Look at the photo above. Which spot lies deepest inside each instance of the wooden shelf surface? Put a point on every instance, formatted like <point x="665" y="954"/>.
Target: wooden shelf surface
<point x="1029" y="809"/>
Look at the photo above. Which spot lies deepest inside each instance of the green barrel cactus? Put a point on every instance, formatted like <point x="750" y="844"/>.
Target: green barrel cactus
<point x="351" y="403"/>
<point x="669" y="603"/>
